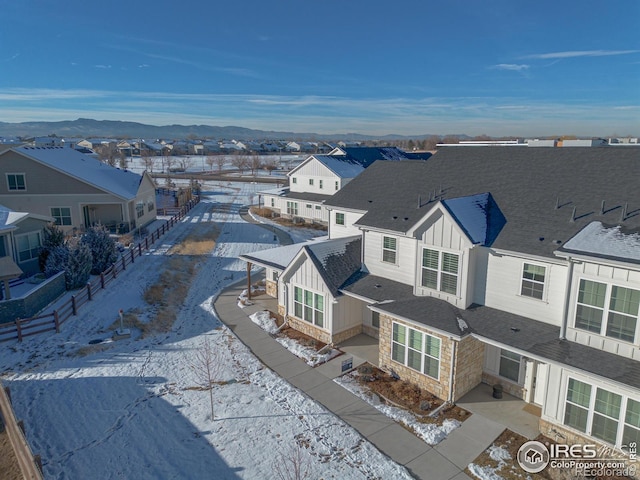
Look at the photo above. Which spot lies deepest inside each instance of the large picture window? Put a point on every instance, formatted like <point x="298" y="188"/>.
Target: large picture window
<point x="417" y="350"/>
<point x="607" y="310"/>
<point x="605" y="415"/>
<point x="440" y="270"/>
<point x="510" y="365"/>
<point x="28" y="246"/>
<point x="292" y="208"/>
<point x="308" y="306"/>
<point x="533" y="281"/>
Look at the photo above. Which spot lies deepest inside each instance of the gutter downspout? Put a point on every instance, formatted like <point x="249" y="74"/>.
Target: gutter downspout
<point x="565" y="311"/>
<point x="451" y="371"/>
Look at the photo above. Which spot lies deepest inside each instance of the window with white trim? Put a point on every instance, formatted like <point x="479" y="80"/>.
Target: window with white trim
<point x="607" y="416"/>
<point x="294" y="179"/>
<point x="273" y="202"/>
<point x="337" y="185"/>
<point x="139" y="210"/>
<point x="440" y="270"/>
<point x="61" y="215"/>
<point x="608" y="310"/>
<point x="16" y="182"/>
<point x="339" y="218"/>
<point x="28" y="245"/>
<point x="389" y="249"/>
<point x="292" y="208"/>
<point x="311" y="182"/>
<point x="308" y="306"/>
<point x="375" y="319"/>
<point x="320" y="184"/>
<point x="509" y="365"/>
<point x="533" y="281"/>
<point x="417" y="350"/>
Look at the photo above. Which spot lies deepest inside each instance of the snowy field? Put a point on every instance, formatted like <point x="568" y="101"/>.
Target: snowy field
<point x="133" y="409"/>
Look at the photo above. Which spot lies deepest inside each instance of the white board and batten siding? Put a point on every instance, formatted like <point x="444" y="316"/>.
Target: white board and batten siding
<point x="348" y="312"/>
<point x="306" y="276"/>
<point x="610" y="275"/>
<point x="503" y="288"/>
<point x="316" y="171"/>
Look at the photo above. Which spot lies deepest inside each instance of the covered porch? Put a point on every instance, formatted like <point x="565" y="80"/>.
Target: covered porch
<point x="116" y="217"/>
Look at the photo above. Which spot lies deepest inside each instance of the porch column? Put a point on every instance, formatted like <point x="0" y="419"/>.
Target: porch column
<point x="248" y="280"/>
<point x="7" y="290"/>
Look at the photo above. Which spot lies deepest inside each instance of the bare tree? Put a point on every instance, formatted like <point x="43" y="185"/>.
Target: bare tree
<point x="292" y="464"/>
<point x="255" y="163"/>
<point x="270" y="165"/>
<point x="147" y="159"/>
<point x="220" y="162"/>
<point x="240" y="162"/>
<point x="122" y="160"/>
<point x="108" y="154"/>
<point x="185" y="163"/>
<point x="207" y="366"/>
<point x="211" y="161"/>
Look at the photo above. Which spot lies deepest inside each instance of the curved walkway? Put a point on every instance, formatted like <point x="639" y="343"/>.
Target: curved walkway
<point x="283" y="237"/>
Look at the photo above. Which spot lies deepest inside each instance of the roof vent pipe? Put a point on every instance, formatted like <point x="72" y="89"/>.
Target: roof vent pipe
<point x="573" y="215"/>
<point x="602" y="208"/>
<point x="623" y="216"/>
<point x="419" y="200"/>
<point x="557" y="203"/>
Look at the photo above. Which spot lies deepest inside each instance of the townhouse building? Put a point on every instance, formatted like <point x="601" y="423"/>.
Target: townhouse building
<point x="518" y="267"/>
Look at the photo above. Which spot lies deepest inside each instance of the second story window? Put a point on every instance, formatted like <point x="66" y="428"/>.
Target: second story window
<point x="311" y="182"/>
<point x="607" y="310"/>
<point x="532" y="281"/>
<point x="337" y="185"/>
<point x="294" y="180"/>
<point x="320" y="184"/>
<point x="16" y="182"/>
<point x="440" y="271"/>
<point x="339" y="218"/>
<point x="389" y="249"/>
<point x="62" y="215"/>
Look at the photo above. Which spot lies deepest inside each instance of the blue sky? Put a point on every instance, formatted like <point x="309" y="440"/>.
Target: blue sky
<point x="409" y="67"/>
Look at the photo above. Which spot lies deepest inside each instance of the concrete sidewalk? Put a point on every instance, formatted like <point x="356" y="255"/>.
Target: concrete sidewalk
<point x="444" y="462"/>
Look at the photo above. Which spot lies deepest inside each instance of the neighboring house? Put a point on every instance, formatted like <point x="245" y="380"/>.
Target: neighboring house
<point x="317" y="178"/>
<point x="78" y="191"/>
<point x="21" y="237"/>
<point x="497" y="265"/>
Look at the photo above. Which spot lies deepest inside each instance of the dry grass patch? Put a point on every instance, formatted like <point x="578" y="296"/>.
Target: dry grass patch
<point x="200" y="242"/>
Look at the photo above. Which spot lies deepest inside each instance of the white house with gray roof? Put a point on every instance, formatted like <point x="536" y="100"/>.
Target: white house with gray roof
<point x="518" y="267"/>
<point x="76" y="190"/>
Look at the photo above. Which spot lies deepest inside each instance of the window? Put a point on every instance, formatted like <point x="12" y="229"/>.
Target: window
<point x="16" y="181"/>
<point x="339" y="218"/>
<point x="292" y="208"/>
<point x="273" y="202"/>
<point x="440" y="271"/>
<point x="510" y="365"/>
<point x="320" y="184"/>
<point x="598" y="303"/>
<point x="309" y="205"/>
<point x="150" y="205"/>
<point x="416" y="350"/>
<point x="311" y="182"/>
<point x="337" y="185"/>
<point x="532" y="281"/>
<point x="389" y="247"/>
<point x="294" y="179"/>
<point x="139" y="210"/>
<point x="318" y="207"/>
<point x="274" y="276"/>
<point x="28" y="246"/>
<point x="62" y="215"/>
<point x="308" y="306"/>
<point x="606" y="415"/>
<point x="375" y="319"/>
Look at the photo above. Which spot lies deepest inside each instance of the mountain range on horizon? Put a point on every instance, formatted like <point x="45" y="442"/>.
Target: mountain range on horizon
<point x="86" y="127"/>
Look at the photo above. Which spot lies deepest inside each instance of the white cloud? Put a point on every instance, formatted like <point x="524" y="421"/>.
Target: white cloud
<point x="581" y="53"/>
<point x="511" y="66"/>
<point x="103" y="66"/>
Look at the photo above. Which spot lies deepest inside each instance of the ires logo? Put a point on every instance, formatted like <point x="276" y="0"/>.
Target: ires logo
<point x="559" y="451"/>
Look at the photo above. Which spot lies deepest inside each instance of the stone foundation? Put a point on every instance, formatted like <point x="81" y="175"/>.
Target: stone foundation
<point x="372" y="332"/>
<point x="309" y="329"/>
<point x="346" y="334"/>
<point x="281" y="310"/>
<point x="468" y="368"/>
<point x="271" y="288"/>
<point x="508" y="387"/>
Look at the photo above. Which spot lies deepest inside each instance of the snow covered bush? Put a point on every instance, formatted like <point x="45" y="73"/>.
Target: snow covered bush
<point x="75" y="262"/>
<point x="53" y="237"/>
<point x="102" y="247"/>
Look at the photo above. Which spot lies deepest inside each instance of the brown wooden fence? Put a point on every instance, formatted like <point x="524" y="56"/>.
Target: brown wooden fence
<point x="24" y="327"/>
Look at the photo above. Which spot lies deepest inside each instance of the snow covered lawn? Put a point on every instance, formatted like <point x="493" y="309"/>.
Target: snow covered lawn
<point x="136" y="408"/>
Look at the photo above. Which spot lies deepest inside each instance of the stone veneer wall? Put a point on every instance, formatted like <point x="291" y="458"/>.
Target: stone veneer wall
<point x="372" y="332"/>
<point x="468" y="366"/>
<point x="560" y="434"/>
<point x="271" y="288"/>
<point x="509" y="387"/>
<point x="281" y="310"/>
<point x="346" y="334"/>
<point x="309" y="329"/>
<point x="440" y="388"/>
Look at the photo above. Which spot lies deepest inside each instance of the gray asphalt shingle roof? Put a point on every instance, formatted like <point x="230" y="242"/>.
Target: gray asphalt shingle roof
<point x="536" y="338"/>
<point x="536" y="189"/>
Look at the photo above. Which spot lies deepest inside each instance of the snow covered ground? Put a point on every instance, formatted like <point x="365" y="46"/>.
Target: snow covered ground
<point x="133" y="408"/>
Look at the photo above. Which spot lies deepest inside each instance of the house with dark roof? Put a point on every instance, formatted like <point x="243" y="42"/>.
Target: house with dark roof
<point x="21" y="238"/>
<point x="318" y="177"/>
<point x="77" y="190"/>
<point x="518" y="267"/>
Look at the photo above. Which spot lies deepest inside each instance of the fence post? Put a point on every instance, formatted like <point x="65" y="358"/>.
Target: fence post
<point x="114" y="269"/>
<point x="19" y="329"/>
<point x="89" y="296"/>
<point x="56" y="320"/>
<point x="139" y="249"/>
<point x="102" y="280"/>
<point x="74" y="308"/>
<point x="146" y="242"/>
<point x="124" y="263"/>
<point x="132" y="255"/>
